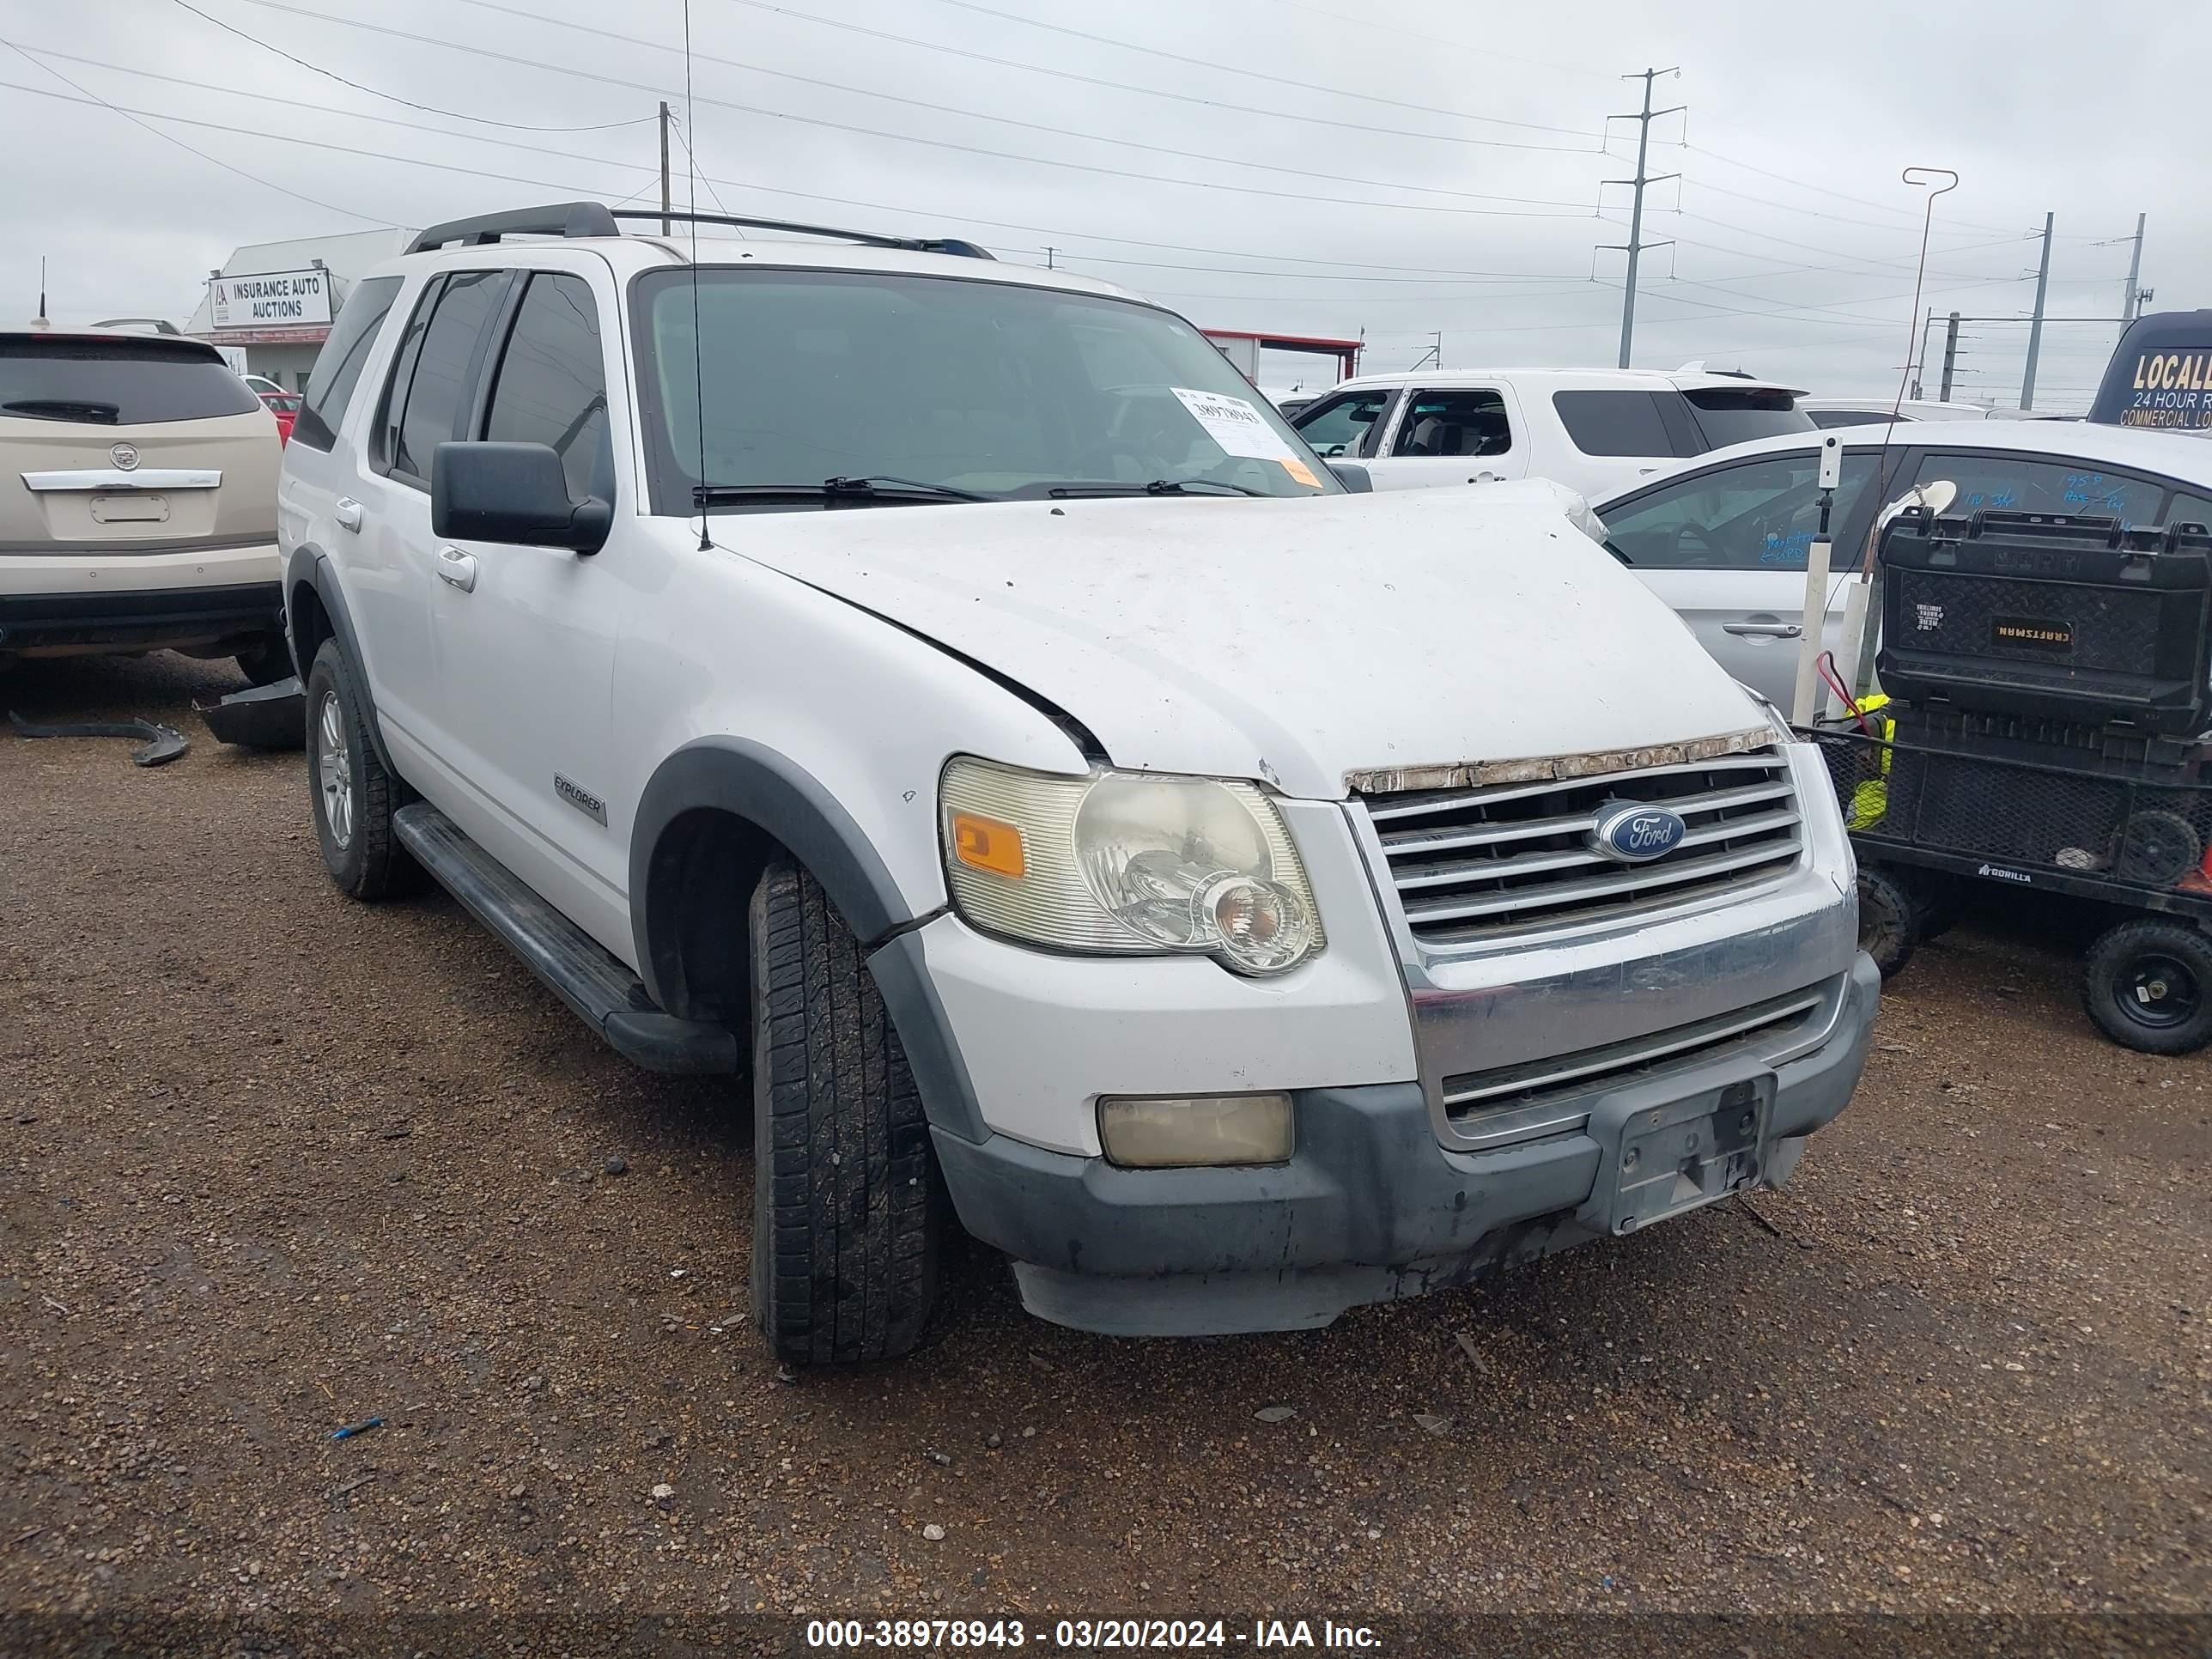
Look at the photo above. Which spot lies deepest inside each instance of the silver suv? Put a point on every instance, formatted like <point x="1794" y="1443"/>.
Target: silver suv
<point x="137" y="501"/>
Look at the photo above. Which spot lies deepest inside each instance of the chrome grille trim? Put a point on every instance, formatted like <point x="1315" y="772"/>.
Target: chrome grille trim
<point x="1487" y="1110"/>
<point x="1474" y="865"/>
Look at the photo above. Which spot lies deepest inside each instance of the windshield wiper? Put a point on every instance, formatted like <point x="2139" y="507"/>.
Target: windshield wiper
<point x="835" y="492"/>
<point x="1157" y="487"/>
<point x="66" y="409"/>
<point x="882" y="483"/>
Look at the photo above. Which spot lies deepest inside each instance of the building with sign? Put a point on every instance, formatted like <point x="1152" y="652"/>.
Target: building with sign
<point x="273" y="300"/>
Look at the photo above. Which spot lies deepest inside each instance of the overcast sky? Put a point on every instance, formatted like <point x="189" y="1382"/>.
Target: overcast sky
<point x="1395" y="167"/>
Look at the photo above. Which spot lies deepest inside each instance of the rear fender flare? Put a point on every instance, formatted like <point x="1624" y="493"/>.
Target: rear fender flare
<point x="309" y="567"/>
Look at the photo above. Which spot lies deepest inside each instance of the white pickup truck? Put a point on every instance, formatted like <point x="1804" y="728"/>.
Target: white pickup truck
<point x="1598" y="431"/>
<point x="944" y="695"/>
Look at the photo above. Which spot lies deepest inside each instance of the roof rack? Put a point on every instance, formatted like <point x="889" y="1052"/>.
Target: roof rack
<point x="567" y="219"/>
<point x="951" y="245"/>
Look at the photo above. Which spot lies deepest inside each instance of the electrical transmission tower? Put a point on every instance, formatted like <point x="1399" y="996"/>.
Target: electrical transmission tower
<point x="1635" y="245"/>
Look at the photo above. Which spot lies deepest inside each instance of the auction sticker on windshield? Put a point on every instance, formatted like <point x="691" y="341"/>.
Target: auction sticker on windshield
<point x="1240" y="429"/>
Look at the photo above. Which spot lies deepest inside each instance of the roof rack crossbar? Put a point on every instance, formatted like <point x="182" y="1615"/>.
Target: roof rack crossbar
<point x="868" y="239"/>
<point x="590" y="219"/>
<point x="562" y="219"/>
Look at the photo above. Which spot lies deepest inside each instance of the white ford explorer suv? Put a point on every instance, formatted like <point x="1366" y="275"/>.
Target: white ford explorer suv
<point x="945" y="695"/>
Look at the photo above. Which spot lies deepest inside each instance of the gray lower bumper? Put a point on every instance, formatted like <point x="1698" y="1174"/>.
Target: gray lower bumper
<point x="1371" y="1209"/>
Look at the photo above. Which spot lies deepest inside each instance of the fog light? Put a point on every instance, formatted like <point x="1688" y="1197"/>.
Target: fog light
<point x="1164" y="1132"/>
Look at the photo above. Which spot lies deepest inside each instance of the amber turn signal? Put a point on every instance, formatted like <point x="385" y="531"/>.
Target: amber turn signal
<point x="984" y="843"/>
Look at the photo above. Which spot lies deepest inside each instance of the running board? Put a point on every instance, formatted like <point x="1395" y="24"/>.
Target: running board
<point x="574" y="966"/>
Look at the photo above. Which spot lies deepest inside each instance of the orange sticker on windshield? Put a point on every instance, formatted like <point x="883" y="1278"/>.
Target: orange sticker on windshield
<point x="1298" y="469"/>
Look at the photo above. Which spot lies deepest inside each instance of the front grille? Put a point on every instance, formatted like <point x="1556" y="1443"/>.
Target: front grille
<point x="1471" y="865"/>
<point x="1514" y="1103"/>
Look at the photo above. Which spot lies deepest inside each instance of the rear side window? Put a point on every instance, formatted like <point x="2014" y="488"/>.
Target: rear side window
<point x="1616" y="423"/>
<point x="337" y="367"/>
<point x="1469" y="422"/>
<point x="552" y="384"/>
<point x="1988" y="480"/>
<point x="117" y="382"/>
<point x="430" y="382"/>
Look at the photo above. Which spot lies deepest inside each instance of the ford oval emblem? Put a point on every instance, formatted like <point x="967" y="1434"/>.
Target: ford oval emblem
<point x="1636" y="835"/>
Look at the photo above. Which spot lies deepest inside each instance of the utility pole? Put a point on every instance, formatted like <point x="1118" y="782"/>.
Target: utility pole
<point x="1920" y="361"/>
<point x="1050" y="253"/>
<point x="2134" y="296"/>
<point x="665" y="200"/>
<point x="1636" y="244"/>
<point x="1950" y="356"/>
<point x="2035" y="327"/>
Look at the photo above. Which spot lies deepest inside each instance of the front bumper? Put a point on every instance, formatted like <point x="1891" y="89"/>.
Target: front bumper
<point x="1371" y="1206"/>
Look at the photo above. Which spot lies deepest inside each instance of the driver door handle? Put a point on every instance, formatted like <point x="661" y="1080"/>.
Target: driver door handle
<point x="348" y="513"/>
<point x="457" y="568"/>
<point x="1765" y="630"/>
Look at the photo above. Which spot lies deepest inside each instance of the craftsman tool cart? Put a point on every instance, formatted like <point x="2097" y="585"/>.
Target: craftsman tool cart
<point x="2044" y="731"/>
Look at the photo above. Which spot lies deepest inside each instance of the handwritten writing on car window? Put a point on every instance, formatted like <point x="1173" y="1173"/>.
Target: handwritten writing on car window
<point x="1786" y="552"/>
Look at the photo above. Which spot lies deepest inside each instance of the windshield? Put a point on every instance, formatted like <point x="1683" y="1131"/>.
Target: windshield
<point x="984" y="387"/>
<point x="102" y="381"/>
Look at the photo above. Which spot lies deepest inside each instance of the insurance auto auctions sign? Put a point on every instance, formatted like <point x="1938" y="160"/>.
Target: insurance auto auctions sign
<point x="270" y="299"/>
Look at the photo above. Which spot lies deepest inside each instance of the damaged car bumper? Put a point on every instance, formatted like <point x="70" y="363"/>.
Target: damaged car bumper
<point x="1372" y="1206"/>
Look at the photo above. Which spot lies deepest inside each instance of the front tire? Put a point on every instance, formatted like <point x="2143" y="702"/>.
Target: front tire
<point x="848" y="1207"/>
<point x="2148" y="985"/>
<point x="354" y="797"/>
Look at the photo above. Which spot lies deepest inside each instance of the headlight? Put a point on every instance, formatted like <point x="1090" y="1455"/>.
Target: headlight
<point x="1128" y="863"/>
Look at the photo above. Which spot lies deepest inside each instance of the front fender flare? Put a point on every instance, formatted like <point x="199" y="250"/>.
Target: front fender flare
<point x="785" y="801"/>
<point x="792" y="807"/>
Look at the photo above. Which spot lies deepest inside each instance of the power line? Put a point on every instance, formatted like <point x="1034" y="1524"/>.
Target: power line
<point x="1151" y="91"/>
<point x="1391" y="272"/>
<point x="409" y="103"/>
<point x="293" y="141"/>
<point x="969" y="150"/>
<point x="1471" y="279"/>
<point x="1820" y="213"/>
<point x="1822" y="190"/>
<point x="1213" y="66"/>
<point x="92" y="98"/>
<point x="1364" y="23"/>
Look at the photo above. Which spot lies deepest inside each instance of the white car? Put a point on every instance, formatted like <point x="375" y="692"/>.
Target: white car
<point x="1723" y="541"/>
<point x="1596" y="430"/>
<point x="939" y="692"/>
<point x="137" y="501"/>
<point x="1828" y="412"/>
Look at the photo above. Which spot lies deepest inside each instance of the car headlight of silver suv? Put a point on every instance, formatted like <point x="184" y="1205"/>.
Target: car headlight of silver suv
<point x="1128" y="863"/>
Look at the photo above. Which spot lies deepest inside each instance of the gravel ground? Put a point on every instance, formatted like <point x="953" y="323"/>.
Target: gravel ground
<point x="274" y="1162"/>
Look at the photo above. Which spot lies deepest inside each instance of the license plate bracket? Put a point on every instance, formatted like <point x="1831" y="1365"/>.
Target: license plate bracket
<point x="131" y="507"/>
<point x="1669" y="1156"/>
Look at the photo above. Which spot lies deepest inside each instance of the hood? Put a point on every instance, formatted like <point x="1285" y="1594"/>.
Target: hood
<point x="1301" y="641"/>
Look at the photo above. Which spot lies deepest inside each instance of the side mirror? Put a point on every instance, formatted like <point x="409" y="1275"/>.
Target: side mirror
<point x="1352" y="477"/>
<point x="512" y="493"/>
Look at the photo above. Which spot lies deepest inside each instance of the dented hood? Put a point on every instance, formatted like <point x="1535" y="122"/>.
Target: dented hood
<point x="1306" y="642"/>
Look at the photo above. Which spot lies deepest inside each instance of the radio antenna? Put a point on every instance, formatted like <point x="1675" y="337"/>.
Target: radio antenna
<point x="698" y="344"/>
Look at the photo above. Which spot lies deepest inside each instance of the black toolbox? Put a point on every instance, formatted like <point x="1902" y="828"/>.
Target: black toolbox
<point x="2077" y="620"/>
